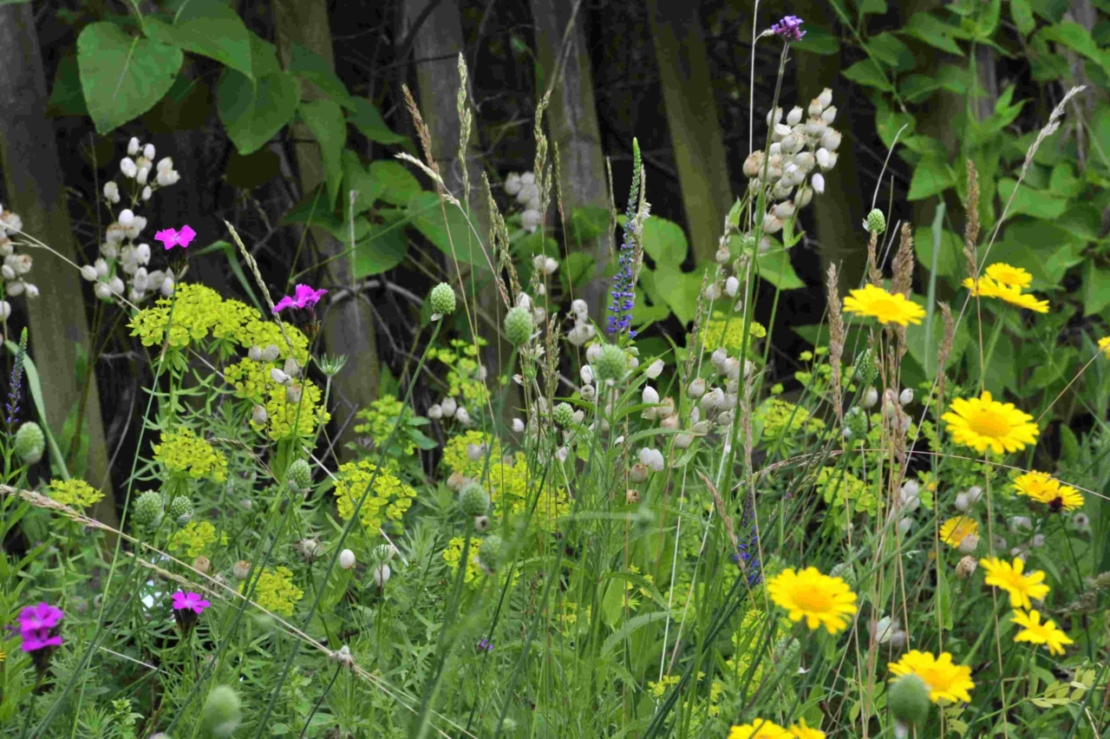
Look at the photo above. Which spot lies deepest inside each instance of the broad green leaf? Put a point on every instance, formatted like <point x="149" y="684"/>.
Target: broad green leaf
<point x="1039" y="247"/>
<point x="931" y="176"/>
<point x="357" y="178"/>
<point x="209" y="28"/>
<point x="950" y="260"/>
<point x="887" y="48"/>
<point x="680" y="290"/>
<point x="1022" y="15"/>
<point x="1063" y="183"/>
<point x="575" y="271"/>
<point x="365" y="117"/>
<point x="868" y="74"/>
<point x="381" y="250"/>
<point x="263" y="56"/>
<point x="888" y="122"/>
<point x="664" y="242"/>
<point x="451" y="235"/>
<point x="1082" y="220"/>
<point x="818" y="41"/>
<point x="312" y="210"/>
<point x="311" y="67"/>
<point x="254" y="111"/>
<point x="1075" y="37"/>
<point x="928" y="28"/>
<point x="123" y="76"/>
<point x="775" y="267"/>
<point x="646" y="290"/>
<point x="612" y="604"/>
<point x="1050" y="10"/>
<point x="325" y="119"/>
<point x="1096" y="288"/>
<point x="587" y="222"/>
<point x="395" y="184"/>
<point x="1038" y="203"/>
<point x="867" y="7"/>
<point x="66" y="97"/>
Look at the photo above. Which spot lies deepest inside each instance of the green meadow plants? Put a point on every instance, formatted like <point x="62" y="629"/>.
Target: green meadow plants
<point x="609" y="535"/>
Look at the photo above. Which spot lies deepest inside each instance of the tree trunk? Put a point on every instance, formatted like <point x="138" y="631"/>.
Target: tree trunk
<point x="572" y="120"/>
<point x="58" y="323"/>
<point x="349" y="320"/>
<point x="839" y="211"/>
<point x="699" y="148"/>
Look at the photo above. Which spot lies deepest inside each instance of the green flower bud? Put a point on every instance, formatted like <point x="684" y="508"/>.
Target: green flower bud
<point x="876" y="222"/>
<point x="299" y="476"/>
<point x="518" y="326"/>
<point x="855" y="422"/>
<point x="474" y="500"/>
<point x="222" y="712"/>
<point x="865" y="368"/>
<point x="492" y="552"/>
<point x="610" y="364"/>
<point x="908" y="699"/>
<point x="30" y="443"/>
<point x="563" y="415"/>
<point x="443" y="299"/>
<point x="149" y="509"/>
<point x="181" y="509"/>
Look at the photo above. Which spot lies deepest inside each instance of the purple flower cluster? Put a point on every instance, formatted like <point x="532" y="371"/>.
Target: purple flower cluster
<point x="187" y="607"/>
<point x="485" y="645"/>
<point x="38" y="625"/>
<point x="789" y="28"/>
<point x="15" y="384"/>
<point x="622" y="294"/>
<point x="746" y="556"/>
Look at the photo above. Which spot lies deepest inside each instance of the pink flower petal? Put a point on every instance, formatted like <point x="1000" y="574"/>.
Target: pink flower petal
<point x="185" y="236"/>
<point x="168" y="237"/>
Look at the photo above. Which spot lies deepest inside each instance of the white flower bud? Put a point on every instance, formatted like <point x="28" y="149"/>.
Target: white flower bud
<point x="474" y="452"/>
<point x="32" y="290"/>
<point x="165" y="164"/>
<point x="794" y="117"/>
<point x="382" y="574"/>
<point x="815" y="107"/>
<point x="435" y="412"/>
<point x="550" y="265"/>
<point x="592" y="352"/>
<point x="969" y="544"/>
<point x="696" y="389"/>
<point x="829" y="114"/>
<point x="7" y="272"/>
<point x="116" y="285"/>
<point x="870" y="397"/>
<point x="830" y="139"/>
<point x="346" y="559"/>
<point x="723" y="255"/>
<point x="712" y="291"/>
<point x="906" y="396"/>
<point x="649" y="395"/>
<point x="974" y="493"/>
<point x="1038" y="541"/>
<point x="518" y="426"/>
<point x="148" y="151"/>
<point x="776" y="113"/>
<point x="753" y="165"/>
<point x="815" y="127"/>
<point x="143" y="175"/>
<point x="102" y="291"/>
<point x="818" y="182"/>
<point x="783" y="211"/>
<point x="530" y="220"/>
<point x="825" y="97"/>
<point x="654" y="369"/>
<point x="962" y="503"/>
<point x="588" y="392"/>
<point x="771" y="224"/>
<point x="127" y="168"/>
<point x="89" y="272"/>
<point x="449" y="406"/>
<point x="133" y="146"/>
<point x="167" y="286"/>
<point x="638" y="472"/>
<point x="781" y="131"/>
<point x="462" y="416"/>
<point x="587" y="374"/>
<point x="111" y="192"/>
<point x="905" y="525"/>
<point x="1021" y="522"/>
<point x="279" y="376"/>
<point x="579" y="308"/>
<point x="793" y="143"/>
<point x="822" y="156"/>
<point x="147" y="192"/>
<point x="911" y="489"/>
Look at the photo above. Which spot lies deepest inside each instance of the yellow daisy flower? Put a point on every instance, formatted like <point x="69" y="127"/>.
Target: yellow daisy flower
<point x="759" y="729"/>
<point x="1023" y="589"/>
<point x="1008" y="275"/>
<point x="984" y="288"/>
<point x="983" y="422"/>
<point x="887" y="308"/>
<point x="1044" y="489"/>
<point x="801" y="730"/>
<point x="955" y="530"/>
<point x="1035" y="632"/>
<point x="1014" y="296"/>
<point x="946" y="681"/>
<point x="1104" y="345"/>
<point x="820" y="599"/>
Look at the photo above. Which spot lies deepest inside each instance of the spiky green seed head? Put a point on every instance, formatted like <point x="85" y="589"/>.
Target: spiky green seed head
<point x="563" y="415"/>
<point x="30" y="443"/>
<point x="610" y="364"/>
<point x="865" y="368"/>
<point x="855" y="422"/>
<point x="876" y="222"/>
<point x="149" y="509"/>
<point x="222" y="711"/>
<point x="474" y="500"/>
<point x="518" y="326"/>
<point x="181" y="509"/>
<point x="443" y="299"/>
<point x="300" y="476"/>
<point x="908" y="699"/>
<point x="492" y="552"/>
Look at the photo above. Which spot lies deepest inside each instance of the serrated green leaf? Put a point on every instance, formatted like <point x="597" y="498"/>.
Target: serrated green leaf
<point x="1022" y="15"/>
<point x="325" y="119"/>
<point x="1038" y="203"/>
<point x="123" y="76"/>
<point x="209" y="28"/>
<point x="451" y="234"/>
<point x="930" y="29"/>
<point x="868" y="74"/>
<point x="395" y="184"/>
<point x="254" y="111"/>
<point x="931" y="176"/>
<point x="888" y="49"/>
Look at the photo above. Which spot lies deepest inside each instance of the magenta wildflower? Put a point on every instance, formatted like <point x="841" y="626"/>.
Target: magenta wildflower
<point x="38" y="625"/>
<point x="789" y="28"/>
<point x="303" y="297"/>
<point x="183" y="601"/>
<point x="171" y="237"/>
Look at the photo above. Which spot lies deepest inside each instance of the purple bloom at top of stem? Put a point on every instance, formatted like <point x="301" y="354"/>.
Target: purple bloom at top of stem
<point x="622" y="294"/>
<point x="303" y="297"/>
<point x="789" y="28"/>
<point x="38" y="626"/>
<point x="183" y="601"/>
<point x="485" y="645"/>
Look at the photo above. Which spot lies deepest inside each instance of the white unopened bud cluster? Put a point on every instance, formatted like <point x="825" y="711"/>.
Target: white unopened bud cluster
<point x="15" y="267"/>
<point x="909" y="500"/>
<point x="448" y="409"/>
<point x="123" y="257"/>
<point x="583" y="330"/>
<point x="968" y="498"/>
<point x="800" y="151"/>
<point x="523" y="187"/>
<point x="887" y="631"/>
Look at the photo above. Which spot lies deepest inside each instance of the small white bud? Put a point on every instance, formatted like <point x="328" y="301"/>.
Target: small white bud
<point x="550" y="265"/>
<point x="650" y="395"/>
<point x="962" y="503"/>
<point x="905" y="525"/>
<point x="116" y="285"/>
<point x="794" y="117"/>
<point x="1037" y="541"/>
<point x="825" y="97"/>
<point x="587" y="374"/>
<point x="102" y="291"/>
<point x="712" y="291"/>
<point x="518" y="426"/>
<point x="593" y="352"/>
<point x="579" y="308"/>
<point x="7" y="272"/>
<point x="906" y="396"/>
<point x="462" y="416"/>
<point x="279" y="376"/>
<point x="969" y="544"/>
<point x="523" y="301"/>
<point x="259" y="415"/>
<point x="148" y="151"/>
<point x="830" y="139"/>
<point x="128" y="168"/>
<point x="111" y="192"/>
<point x="270" y="352"/>
<point x="654" y="369"/>
<point x="870" y="397"/>
<point x="818" y="182"/>
<point x="167" y="286"/>
<point x="435" y="412"/>
<point x="143" y="175"/>
<point x="382" y="574"/>
<point x="530" y="220"/>
<point x="32" y="290"/>
<point x="449" y="407"/>
<point x="147" y="192"/>
<point x="696" y="389"/>
<point x="974" y="493"/>
<point x="474" y="452"/>
<point x="133" y="146"/>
